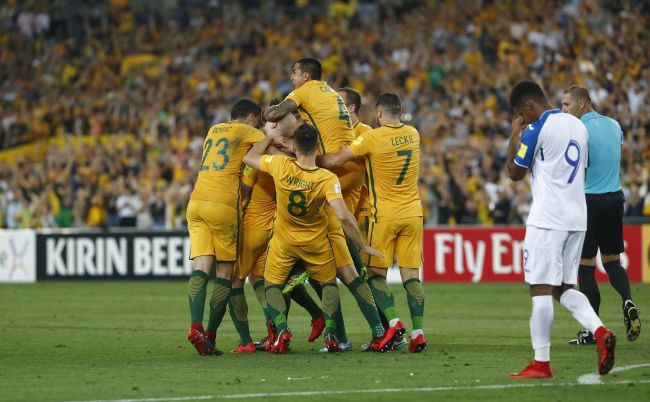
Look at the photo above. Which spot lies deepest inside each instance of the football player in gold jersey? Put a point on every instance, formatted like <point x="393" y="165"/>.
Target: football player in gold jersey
<point x="300" y="233"/>
<point x="213" y="218"/>
<point x="392" y="158"/>
<point x="258" y="210"/>
<point x="322" y="107"/>
<point x="361" y="209"/>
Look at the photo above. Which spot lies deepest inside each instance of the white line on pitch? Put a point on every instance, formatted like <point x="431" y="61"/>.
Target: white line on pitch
<point x="595" y="378"/>
<point x="169" y="399"/>
<point x="372" y="391"/>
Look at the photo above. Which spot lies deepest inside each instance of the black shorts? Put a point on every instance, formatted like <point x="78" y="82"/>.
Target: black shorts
<point x="604" y="224"/>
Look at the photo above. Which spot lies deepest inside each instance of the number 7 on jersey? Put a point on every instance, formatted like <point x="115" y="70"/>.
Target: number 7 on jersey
<point x="408" y="153"/>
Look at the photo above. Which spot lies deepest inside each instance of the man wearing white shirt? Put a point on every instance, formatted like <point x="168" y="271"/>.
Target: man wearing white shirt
<point x="553" y="146"/>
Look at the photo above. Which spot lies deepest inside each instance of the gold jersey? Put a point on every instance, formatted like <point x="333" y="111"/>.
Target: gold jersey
<point x="221" y="163"/>
<point x="323" y="108"/>
<point x="363" y="206"/>
<point x="392" y="168"/>
<point x="301" y="196"/>
<point x="259" y="207"/>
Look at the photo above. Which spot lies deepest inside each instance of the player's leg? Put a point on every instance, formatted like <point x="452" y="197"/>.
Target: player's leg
<point x="237" y="304"/>
<point x="382" y="238"/>
<point x="202" y="255"/>
<point x="280" y="259"/>
<point x="257" y="279"/>
<point x="408" y="249"/>
<point x="331" y="303"/>
<point x="221" y="289"/>
<point x="238" y="308"/>
<point x="611" y="245"/>
<point x="578" y="304"/>
<point x="319" y="262"/>
<point x="224" y="224"/>
<point x="345" y="269"/>
<point x="542" y="271"/>
<point x="587" y="268"/>
<point x="301" y="296"/>
<point x="363" y="219"/>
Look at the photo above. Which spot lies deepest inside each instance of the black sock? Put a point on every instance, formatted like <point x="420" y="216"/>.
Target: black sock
<point x="618" y="278"/>
<point x="299" y="295"/>
<point x="317" y="288"/>
<point x="588" y="285"/>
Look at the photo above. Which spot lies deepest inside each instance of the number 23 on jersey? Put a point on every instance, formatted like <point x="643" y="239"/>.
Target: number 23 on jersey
<point x="217" y="159"/>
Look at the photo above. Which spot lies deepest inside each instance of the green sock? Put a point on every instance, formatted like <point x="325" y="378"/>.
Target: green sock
<point x="277" y="306"/>
<point x="383" y="296"/>
<point x="239" y="314"/>
<point x="415" y="298"/>
<point x="356" y="257"/>
<point x="341" y="335"/>
<point x="260" y="294"/>
<point x="331" y="303"/>
<point x="362" y="293"/>
<point x="196" y="295"/>
<point x="301" y="296"/>
<point x="218" y="302"/>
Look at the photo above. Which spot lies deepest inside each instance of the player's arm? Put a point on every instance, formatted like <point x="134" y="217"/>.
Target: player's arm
<point x="515" y="171"/>
<point x="331" y="161"/>
<point x="252" y="158"/>
<point x="277" y="112"/>
<point x="248" y="179"/>
<point x="351" y="228"/>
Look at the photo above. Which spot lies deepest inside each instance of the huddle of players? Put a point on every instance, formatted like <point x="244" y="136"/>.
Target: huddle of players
<point x="300" y="185"/>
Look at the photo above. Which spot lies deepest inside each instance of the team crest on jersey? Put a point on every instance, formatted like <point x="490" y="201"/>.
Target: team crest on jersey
<point x="337" y="188"/>
<point x="268" y="158"/>
<point x="357" y="140"/>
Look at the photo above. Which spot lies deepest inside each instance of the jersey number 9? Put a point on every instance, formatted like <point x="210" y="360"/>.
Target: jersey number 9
<point x="573" y="162"/>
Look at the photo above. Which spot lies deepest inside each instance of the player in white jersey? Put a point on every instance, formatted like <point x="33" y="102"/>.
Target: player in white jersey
<point x="553" y="146"/>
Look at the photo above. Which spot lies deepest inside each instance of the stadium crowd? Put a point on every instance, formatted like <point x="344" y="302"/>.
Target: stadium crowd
<point x="145" y="83"/>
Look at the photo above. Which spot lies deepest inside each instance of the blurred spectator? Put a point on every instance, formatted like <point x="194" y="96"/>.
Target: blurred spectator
<point x="154" y="79"/>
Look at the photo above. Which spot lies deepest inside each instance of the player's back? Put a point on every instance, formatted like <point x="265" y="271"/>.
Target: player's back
<point x="301" y="195"/>
<point x="392" y="171"/>
<point x="221" y="162"/>
<point x="605" y="140"/>
<point x="558" y="172"/>
<point x="323" y="108"/>
<point x="259" y="208"/>
<point x="360" y="128"/>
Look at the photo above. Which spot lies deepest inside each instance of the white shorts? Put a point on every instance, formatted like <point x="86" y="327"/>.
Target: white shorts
<point x="552" y="257"/>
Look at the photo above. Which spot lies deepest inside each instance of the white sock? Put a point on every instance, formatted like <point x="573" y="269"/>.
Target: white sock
<point x="541" y="323"/>
<point x="416" y="332"/>
<point x="578" y="304"/>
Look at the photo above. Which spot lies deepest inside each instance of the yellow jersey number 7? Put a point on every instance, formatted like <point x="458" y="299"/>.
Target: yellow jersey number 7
<point x="221" y="146"/>
<point x="408" y="153"/>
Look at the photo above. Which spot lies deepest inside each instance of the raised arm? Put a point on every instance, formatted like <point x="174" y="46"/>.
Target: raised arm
<point x="351" y="228"/>
<point x="252" y="158"/>
<point x="515" y="171"/>
<point x="277" y="112"/>
<point x="331" y="161"/>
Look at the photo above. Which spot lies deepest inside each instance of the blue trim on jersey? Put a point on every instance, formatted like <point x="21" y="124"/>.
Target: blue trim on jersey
<point x="524" y="156"/>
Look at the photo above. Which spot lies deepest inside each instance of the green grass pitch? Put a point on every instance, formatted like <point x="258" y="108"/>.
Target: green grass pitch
<point x="80" y="341"/>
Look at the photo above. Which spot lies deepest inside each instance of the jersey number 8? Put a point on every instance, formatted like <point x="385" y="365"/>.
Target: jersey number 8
<point x="297" y="202"/>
